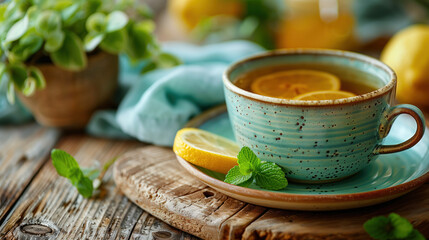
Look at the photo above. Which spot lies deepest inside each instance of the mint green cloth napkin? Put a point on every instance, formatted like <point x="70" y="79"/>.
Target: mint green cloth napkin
<point x="160" y="102"/>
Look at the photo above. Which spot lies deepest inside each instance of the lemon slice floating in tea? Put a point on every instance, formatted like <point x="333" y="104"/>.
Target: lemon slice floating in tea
<point x="291" y="83"/>
<point x="206" y="149"/>
<point x="324" y="95"/>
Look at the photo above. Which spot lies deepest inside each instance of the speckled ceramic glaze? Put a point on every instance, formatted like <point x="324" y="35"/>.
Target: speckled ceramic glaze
<point x="318" y="141"/>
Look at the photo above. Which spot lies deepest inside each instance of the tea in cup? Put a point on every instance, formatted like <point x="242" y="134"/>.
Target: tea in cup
<point x="320" y="114"/>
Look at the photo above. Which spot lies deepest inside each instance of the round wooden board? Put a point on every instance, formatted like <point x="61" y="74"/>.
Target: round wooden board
<point x="152" y="178"/>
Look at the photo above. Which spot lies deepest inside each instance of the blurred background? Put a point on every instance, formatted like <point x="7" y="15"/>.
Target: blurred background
<point x="339" y="24"/>
<point x="395" y="31"/>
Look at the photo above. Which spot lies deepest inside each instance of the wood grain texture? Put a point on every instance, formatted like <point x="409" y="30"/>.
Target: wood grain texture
<point x="152" y="178"/>
<point x="23" y="151"/>
<point x="51" y="208"/>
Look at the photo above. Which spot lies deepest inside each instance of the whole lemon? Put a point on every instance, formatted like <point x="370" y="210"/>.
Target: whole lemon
<point x="408" y="54"/>
<point x="190" y="12"/>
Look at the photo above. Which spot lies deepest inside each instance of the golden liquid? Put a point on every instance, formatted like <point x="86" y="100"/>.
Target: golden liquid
<point x="351" y="80"/>
<point x="307" y="24"/>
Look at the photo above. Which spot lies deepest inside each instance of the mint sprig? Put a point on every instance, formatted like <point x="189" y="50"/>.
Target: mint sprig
<point x="250" y="168"/>
<point x="391" y="227"/>
<point x="85" y="180"/>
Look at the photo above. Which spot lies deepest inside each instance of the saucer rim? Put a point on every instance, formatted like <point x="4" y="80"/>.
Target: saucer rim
<point x="399" y="190"/>
<point x="292" y="197"/>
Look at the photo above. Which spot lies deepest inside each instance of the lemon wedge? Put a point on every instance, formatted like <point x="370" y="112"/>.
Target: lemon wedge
<point x="206" y="149"/>
<point x="324" y="95"/>
<point x="291" y="83"/>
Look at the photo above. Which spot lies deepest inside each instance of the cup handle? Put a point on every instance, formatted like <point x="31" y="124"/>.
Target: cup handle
<point x="390" y="117"/>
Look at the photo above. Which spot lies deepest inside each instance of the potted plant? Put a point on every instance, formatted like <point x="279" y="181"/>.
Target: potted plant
<point x="60" y="56"/>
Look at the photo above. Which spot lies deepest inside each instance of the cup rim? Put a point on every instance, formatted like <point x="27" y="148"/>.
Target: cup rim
<point x="327" y="52"/>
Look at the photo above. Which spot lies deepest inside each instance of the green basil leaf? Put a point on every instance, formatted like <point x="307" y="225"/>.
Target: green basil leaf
<point x="137" y="42"/>
<point x="54" y="41"/>
<point x="17" y="30"/>
<point x="60" y="5"/>
<point x="35" y="73"/>
<point x="116" y="20"/>
<point x="92" y="41"/>
<point x="64" y="163"/>
<point x="18" y="75"/>
<point x="71" y="55"/>
<point x="13" y="11"/>
<point x="146" y="25"/>
<point x="2" y="70"/>
<point x="33" y="13"/>
<point x="48" y="23"/>
<point x="149" y="67"/>
<point x="10" y="95"/>
<point x="114" y="42"/>
<point x="67" y="15"/>
<point x="3" y="8"/>
<point x="27" y="46"/>
<point x="91" y="6"/>
<point x="29" y="86"/>
<point x="166" y="60"/>
<point x="96" y="23"/>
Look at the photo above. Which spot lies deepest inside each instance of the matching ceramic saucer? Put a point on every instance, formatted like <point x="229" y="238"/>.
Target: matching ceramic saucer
<point x="389" y="177"/>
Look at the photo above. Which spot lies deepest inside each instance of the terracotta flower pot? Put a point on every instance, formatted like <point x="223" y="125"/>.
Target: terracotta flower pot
<point x="70" y="98"/>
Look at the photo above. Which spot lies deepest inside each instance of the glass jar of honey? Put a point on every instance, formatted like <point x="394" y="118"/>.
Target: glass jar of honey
<point x="317" y="24"/>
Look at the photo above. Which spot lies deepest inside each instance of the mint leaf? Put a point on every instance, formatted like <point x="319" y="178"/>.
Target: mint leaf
<point x="84" y="187"/>
<point x="116" y="20"/>
<point x="415" y="235"/>
<point x="71" y="54"/>
<point x="267" y="175"/>
<point x="68" y="167"/>
<point x="91" y="173"/>
<point x="64" y="163"/>
<point x="391" y="227"/>
<point x="85" y="180"/>
<point x="401" y="226"/>
<point x="235" y="177"/>
<point x="247" y="160"/>
<point x="270" y="176"/>
<point x="378" y="227"/>
<point x="35" y="73"/>
<point x="17" y="30"/>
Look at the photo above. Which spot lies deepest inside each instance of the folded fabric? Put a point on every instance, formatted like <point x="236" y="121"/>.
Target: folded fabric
<point x="160" y="102"/>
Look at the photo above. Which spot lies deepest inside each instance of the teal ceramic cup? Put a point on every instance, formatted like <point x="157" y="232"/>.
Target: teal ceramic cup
<point x="323" y="140"/>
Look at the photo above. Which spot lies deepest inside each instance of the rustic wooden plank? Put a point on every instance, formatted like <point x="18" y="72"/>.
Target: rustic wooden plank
<point x="23" y="151"/>
<point x="152" y="178"/>
<point x="53" y="208"/>
<point x="345" y="224"/>
<point x="149" y="227"/>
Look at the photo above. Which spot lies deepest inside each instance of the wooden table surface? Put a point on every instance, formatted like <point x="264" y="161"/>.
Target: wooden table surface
<point x="35" y="203"/>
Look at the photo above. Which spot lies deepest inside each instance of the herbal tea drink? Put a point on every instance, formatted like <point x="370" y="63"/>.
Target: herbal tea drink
<point x="315" y="140"/>
<point x="300" y="81"/>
